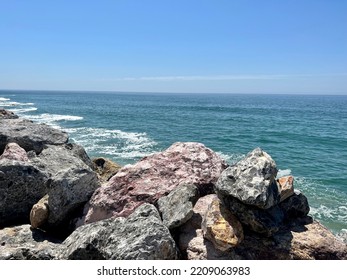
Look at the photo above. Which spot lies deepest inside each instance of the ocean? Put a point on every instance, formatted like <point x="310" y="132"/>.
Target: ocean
<point x="305" y="134"/>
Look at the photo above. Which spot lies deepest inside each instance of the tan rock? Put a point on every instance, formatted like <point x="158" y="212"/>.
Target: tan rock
<point x="285" y="187"/>
<point x="221" y="227"/>
<point x="39" y="213"/>
<point x="105" y="168"/>
<point x="315" y="241"/>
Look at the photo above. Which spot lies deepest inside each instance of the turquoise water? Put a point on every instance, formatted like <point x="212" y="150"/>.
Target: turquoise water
<point x="305" y="134"/>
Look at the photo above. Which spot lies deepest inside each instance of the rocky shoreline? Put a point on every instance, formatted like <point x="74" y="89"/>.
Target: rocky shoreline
<point x="182" y="203"/>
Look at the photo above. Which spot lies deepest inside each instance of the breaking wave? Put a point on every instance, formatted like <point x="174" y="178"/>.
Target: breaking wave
<point x="116" y="144"/>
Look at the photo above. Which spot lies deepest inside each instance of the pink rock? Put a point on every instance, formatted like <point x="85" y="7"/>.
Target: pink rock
<point x="153" y="177"/>
<point x="14" y="152"/>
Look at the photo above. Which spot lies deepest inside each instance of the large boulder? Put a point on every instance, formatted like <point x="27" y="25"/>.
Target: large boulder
<point x="29" y="135"/>
<point x="177" y="207"/>
<point x="252" y="180"/>
<point x="56" y="171"/>
<point x="70" y="185"/>
<point x="156" y="176"/>
<point x="24" y="243"/>
<point x="141" y="236"/>
<point x="22" y="184"/>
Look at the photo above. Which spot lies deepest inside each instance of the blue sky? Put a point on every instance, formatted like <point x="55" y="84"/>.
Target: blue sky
<point x="225" y="46"/>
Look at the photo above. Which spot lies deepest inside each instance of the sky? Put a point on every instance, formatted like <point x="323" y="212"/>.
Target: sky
<point x="202" y="46"/>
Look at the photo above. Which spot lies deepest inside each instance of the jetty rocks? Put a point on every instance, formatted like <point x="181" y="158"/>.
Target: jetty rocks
<point x="185" y="202"/>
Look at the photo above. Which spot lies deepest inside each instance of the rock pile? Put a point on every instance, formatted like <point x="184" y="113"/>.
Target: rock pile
<point x="182" y="203"/>
<point x="36" y="161"/>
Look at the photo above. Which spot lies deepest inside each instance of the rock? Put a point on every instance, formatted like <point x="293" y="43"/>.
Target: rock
<point x="177" y="207"/>
<point x="141" y="236"/>
<point x="55" y="171"/>
<point x="4" y="114"/>
<point x="251" y="180"/>
<point x="156" y="176"/>
<point x="303" y="241"/>
<point x="29" y="135"/>
<point x="14" y="152"/>
<point x="188" y="231"/>
<point x="80" y="152"/>
<point x="221" y="227"/>
<point x="39" y="213"/>
<point x="286" y="187"/>
<point x="198" y="248"/>
<point x="264" y="221"/>
<point x="200" y="209"/>
<point x="24" y="243"/>
<point x="22" y="184"/>
<point x="191" y="241"/>
<point x="314" y="241"/>
<point x="105" y="168"/>
<point x="71" y="183"/>
<point x="295" y="206"/>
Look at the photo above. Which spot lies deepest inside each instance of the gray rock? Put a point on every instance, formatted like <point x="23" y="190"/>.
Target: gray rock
<point x="251" y="180"/>
<point x="71" y="182"/>
<point x="295" y="206"/>
<point x="177" y="207"/>
<point x="80" y="153"/>
<point x="4" y="114"/>
<point x="140" y="236"/>
<point x="24" y="243"/>
<point x="29" y="135"/>
<point x="264" y="221"/>
<point x="22" y="184"/>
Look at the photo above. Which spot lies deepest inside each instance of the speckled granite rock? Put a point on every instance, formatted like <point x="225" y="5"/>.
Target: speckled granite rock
<point x="24" y="243"/>
<point x="141" y="236"/>
<point x="177" y="207"/>
<point x="251" y="180"/>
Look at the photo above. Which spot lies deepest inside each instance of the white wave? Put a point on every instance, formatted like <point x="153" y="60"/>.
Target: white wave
<point x="20" y="104"/>
<point x="4" y="99"/>
<point x="113" y="143"/>
<point x="48" y="118"/>
<point x="283" y="172"/>
<point x="24" y="110"/>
